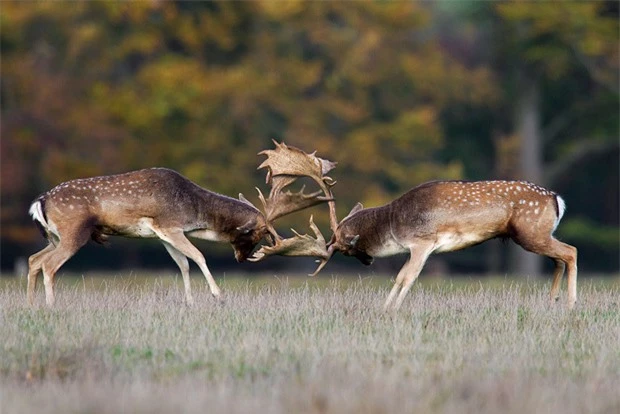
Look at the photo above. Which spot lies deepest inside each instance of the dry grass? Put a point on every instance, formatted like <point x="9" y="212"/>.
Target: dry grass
<point x="279" y="347"/>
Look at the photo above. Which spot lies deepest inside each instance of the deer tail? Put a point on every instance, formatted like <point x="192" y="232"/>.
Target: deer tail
<point x="37" y="212"/>
<point x="561" y="208"/>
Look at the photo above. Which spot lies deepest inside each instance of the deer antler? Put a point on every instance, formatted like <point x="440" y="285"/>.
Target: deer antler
<point x="291" y="161"/>
<point x="284" y="165"/>
<point x="299" y="245"/>
<point x="282" y="203"/>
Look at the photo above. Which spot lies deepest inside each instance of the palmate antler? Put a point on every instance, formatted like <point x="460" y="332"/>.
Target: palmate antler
<point x="284" y="165"/>
<point x="299" y="245"/>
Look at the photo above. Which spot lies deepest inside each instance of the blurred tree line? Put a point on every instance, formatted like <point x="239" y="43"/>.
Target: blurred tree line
<point x="397" y="92"/>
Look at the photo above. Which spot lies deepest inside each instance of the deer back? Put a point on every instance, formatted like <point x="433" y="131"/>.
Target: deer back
<point x="116" y="203"/>
<point x="458" y="214"/>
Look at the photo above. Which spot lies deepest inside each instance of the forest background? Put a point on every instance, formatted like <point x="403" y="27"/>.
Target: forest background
<point x="398" y="93"/>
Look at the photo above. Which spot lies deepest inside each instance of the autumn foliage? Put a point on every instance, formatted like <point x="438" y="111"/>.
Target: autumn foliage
<point x="397" y="92"/>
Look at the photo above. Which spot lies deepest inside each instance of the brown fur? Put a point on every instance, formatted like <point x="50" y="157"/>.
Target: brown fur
<point x="152" y="203"/>
<point x="451" y="215"/>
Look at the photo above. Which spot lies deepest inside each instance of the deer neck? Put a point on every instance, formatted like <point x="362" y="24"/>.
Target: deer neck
<point x="373" y="226"/>
<point x="221" y="213"/>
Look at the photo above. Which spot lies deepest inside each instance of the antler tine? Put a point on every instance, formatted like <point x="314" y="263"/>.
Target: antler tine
<point x="284" y="165"/>
<point x="281" y="203"/>
<point x="329" y="251"/>
<point x="298" y="245"/>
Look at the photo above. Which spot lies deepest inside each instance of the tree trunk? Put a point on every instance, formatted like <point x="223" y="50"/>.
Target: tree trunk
<point x="527" y="124"/>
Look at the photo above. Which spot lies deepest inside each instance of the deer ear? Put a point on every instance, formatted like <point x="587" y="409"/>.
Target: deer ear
<point x="247" y="227"/>
<point x="245" y="200"/>
<point x="353" y="211"/>
<point x="356" y="208"/>
<point x="354" y="240"/>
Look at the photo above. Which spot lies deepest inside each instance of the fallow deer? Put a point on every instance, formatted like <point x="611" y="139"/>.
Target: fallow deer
<point x="438" y="217"/>
<point x="158" y="203"/>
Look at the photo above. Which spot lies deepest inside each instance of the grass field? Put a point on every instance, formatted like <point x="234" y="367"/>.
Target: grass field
<point x="309" y="346"/>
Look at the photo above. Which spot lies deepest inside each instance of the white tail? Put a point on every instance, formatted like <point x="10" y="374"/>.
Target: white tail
<point x="36" y="212"/>
<point x="561" y="209"/>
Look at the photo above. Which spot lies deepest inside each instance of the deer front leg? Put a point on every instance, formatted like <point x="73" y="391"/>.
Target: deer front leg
<point x="397" y="285"/>
<point x="181" y="261"/>
<point x="411" y="270"/>
<point x="177" y="239"/>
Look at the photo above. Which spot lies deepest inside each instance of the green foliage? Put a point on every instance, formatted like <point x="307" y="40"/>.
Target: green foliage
<point x="583" y="230"/>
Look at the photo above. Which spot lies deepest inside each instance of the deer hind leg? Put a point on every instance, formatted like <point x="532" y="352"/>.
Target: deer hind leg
<point x="411" y="270"/>
<point x="34" y="268"/>
<point x="564" y="255"/>
<point x="177" y="239"/>
<point x="72" y="240"/>
<point x="558" y="272"/>
<point x="181" y="260"/>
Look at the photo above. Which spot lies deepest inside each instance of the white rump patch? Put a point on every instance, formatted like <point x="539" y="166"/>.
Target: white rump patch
<point x="36" y="212"/>
<point x="561" y="210"/>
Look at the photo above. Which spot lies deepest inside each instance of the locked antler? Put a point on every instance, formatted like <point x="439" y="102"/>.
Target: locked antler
<point x="284" y="165"/>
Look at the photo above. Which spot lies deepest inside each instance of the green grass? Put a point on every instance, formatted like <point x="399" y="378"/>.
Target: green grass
<point x="309" y="345"/>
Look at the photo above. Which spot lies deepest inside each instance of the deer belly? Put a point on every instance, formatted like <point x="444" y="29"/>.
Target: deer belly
<point x="447" y="242"/>
<point x="141" y="228"/>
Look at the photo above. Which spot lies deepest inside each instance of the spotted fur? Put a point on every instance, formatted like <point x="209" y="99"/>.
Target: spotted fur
<point x="151" y="203"/>
<point x="443" y="216"/>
